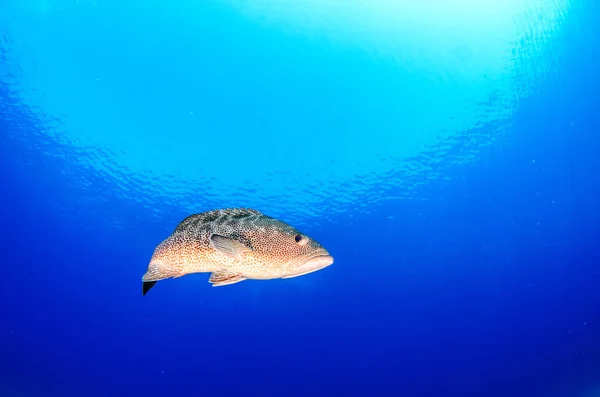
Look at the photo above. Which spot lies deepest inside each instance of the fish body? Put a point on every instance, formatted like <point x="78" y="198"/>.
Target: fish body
<point x="234" y="245"/>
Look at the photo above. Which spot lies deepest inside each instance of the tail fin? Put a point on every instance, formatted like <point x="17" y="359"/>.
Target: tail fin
<point x="147" y="286"/>
<point x="158" y="270"/>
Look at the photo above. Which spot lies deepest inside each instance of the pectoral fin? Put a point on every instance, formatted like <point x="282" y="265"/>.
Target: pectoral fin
<point x="232" y="248"/>
<point x="224" y="277"/>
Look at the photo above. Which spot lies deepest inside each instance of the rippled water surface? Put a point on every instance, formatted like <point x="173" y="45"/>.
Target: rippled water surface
<point x="307" y="108"/>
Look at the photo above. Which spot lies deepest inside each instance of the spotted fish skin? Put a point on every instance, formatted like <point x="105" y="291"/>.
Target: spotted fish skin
<point x="235" y="244"/>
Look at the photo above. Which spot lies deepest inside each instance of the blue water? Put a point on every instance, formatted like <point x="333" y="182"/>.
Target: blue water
<point x="447" y="154"/>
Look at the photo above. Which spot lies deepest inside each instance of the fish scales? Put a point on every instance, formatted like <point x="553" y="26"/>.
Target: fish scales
<point x="235" y="244"/>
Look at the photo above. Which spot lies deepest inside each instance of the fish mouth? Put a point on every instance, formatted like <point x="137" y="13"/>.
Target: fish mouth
<point x="312" y="264"/>
<point x="319" y="261"/>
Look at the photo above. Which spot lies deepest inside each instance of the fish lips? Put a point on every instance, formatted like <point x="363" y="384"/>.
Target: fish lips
<point x="313" y="264"/>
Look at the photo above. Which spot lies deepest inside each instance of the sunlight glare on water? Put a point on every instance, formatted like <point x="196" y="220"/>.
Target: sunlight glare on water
<point x="169" y="103"/>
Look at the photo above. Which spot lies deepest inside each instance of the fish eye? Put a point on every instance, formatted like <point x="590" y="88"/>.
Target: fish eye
<point x="301" y="239"/>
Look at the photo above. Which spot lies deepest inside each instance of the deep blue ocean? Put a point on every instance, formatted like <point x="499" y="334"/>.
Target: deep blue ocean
<point x="446" y="153"/>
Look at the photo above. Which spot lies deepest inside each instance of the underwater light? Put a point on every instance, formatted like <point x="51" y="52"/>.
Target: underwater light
<point x="176" y="92"/>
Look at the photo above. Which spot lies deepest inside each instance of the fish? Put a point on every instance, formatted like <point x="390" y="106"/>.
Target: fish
<point x="233" y="245"/>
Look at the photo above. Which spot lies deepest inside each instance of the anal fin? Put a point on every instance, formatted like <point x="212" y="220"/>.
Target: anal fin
<point x="224" y="277"/>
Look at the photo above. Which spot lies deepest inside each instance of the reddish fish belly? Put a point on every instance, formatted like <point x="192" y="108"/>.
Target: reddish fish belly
<point x="176" y="257"/>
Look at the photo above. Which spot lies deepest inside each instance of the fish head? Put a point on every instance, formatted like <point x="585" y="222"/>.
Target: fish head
<point x="282" y="251"/>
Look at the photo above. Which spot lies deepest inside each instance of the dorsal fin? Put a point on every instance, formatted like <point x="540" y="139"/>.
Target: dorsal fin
<point x="214" y="215"/>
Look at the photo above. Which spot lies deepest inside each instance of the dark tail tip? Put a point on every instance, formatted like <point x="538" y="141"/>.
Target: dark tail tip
<point x="147" y="285"/>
